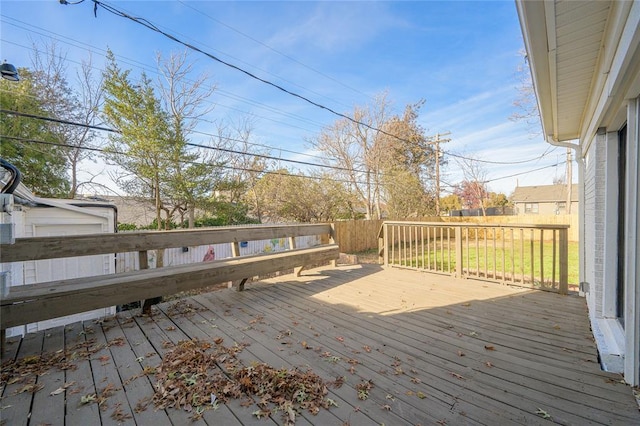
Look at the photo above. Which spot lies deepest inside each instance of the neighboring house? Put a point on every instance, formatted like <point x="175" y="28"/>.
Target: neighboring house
<point x="544" y="199"/>
<point x="585" y="63"/>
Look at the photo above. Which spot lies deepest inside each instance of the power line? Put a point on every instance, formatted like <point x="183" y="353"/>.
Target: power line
<point x="274" y="50"/>
<point x="223" y="166"/>
<point x="199" y="42"/>
<point x="144" y="22"/>
<point x="59" y="121"/>
<point x="148" y="24"/>
<point x="196" y="145"/>
<point x="521" y="173"/>
<point x="147" y="68"/>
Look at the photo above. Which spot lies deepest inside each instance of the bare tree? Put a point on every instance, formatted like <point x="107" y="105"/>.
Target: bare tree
<point x="186" y="100"/>
<point x="247" y="167"/>
<point x="356" y="148"/>
<point x="526" y="105"/>
<point x="62" y="101"/>
<point x="473" y="189"/>
<point x="527" y="110"/>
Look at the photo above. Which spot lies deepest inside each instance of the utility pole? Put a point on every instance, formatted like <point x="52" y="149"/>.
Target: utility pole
<point x="437" y="142"/>
<point x="569" y="181"/>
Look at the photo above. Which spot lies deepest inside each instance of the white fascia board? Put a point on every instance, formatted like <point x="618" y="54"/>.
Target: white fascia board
<point x="69" y="207"/>
<point x="533" y="22"/>
<point x="23" y="192"/>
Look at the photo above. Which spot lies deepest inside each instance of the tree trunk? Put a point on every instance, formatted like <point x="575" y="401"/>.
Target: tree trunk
<point x="192" y="216"/>
<point x="74" y="182"/>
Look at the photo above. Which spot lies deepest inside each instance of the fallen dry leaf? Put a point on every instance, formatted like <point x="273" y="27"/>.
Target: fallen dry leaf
<point x="62" y="388"/>
<point x="489" y="347"/>
<point x="543" y="413"/>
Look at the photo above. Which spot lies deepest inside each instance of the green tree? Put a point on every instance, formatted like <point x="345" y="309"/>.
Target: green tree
<point x="43" y="168"/>
<point x="409" y="146"/>
<point x="408" y="170"/>
<point x="144" y="148"/>
<point x="302" y="199"/>
<point x="405" y="194"/>
<point x="497" y="199"/>
<point x="451" y="202"/>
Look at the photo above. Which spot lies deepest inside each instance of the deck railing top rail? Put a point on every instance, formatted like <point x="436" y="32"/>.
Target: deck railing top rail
<point x="477" y="225"/>
<point x="532" y="255"/>
<point x="37" y="248"/>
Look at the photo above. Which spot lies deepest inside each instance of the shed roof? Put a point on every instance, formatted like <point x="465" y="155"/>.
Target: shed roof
<point x="543" y="193"/>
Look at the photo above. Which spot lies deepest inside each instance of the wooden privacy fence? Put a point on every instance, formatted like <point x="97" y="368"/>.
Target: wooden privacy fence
<point x="36" y="302"/>
<point x="361" y="235"/>
<point x="357" y="235"/>
<point x="529" y="255"/>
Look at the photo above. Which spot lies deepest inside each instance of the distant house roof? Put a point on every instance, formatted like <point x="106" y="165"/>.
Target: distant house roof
<point x="543" y="193"/>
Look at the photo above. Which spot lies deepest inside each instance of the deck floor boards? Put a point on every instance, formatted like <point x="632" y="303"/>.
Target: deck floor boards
<point x="437" y="350"/>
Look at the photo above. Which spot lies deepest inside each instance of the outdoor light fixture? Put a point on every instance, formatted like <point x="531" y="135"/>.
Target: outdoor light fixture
<point x="9" y="72"/>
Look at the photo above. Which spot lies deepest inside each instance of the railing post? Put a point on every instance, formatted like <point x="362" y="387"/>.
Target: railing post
<point x="143" y="263"/>
<point x="292" y="246"/>
<point x="235" y="249"/>
<point x="333" y="240"/>
<point x="564" y="261"/>
<point x="458" y="238"/>
<point x="235" y="252"/>
<point x="385" y="244"/>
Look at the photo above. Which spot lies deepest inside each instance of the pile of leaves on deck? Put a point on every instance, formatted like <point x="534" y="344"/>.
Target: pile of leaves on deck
<point x="196" y="376"/>
<point x="26" y="370"/>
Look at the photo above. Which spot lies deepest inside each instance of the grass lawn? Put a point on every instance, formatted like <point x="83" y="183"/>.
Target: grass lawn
<point x="511" y="260"/>
<point x="514" y="260"/>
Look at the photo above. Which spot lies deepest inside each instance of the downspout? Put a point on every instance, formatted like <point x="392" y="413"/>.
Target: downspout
<point x="581" y="211"/>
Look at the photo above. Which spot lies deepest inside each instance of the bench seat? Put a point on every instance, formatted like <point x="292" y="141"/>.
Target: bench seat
<point x="41" y="301"/>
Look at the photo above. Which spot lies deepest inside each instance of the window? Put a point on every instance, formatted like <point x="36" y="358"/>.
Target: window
<point x="530" y="208"/>
<point x="561" y="207"/>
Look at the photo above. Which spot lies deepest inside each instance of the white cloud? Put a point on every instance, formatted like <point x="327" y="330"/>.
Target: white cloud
<point x="336" y="26"/>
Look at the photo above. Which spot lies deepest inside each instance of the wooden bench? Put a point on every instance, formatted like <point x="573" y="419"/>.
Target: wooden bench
<point x="36" y="302"/>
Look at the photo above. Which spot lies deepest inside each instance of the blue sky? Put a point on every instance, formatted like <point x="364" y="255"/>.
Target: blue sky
<point x="461" y="57"/>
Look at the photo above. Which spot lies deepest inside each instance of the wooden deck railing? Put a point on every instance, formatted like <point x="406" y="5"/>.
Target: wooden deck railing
<point x="35" y="302"/>
<point x="528" y="255"/>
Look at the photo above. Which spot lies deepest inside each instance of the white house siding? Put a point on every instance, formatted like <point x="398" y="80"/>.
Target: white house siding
<point x="595" y="221"/>
<point x="607" y="331"/>
<point x="603" y="94"/>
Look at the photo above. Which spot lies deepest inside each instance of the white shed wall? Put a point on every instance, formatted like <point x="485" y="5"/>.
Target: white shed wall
<point x="56" y="221"/>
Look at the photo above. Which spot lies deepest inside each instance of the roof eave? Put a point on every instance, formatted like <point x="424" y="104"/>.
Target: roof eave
<point x="538" y="40"/>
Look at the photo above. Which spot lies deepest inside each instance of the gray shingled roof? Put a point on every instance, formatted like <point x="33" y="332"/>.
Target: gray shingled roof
<point x="543" y="193"/>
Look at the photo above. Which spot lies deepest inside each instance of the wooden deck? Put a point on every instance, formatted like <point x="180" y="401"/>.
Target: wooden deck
<point x="435" y="351"/>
